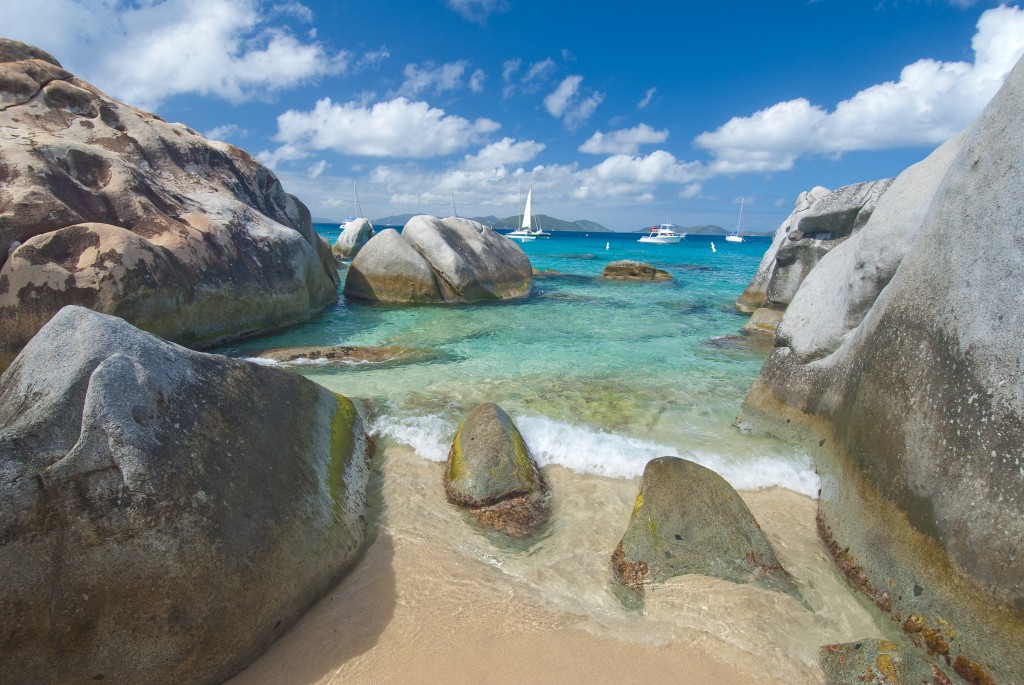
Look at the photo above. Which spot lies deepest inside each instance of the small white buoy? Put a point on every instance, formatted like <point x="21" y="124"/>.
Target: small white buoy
<point x="607" y="245"/>
<point x="713" y="248"/>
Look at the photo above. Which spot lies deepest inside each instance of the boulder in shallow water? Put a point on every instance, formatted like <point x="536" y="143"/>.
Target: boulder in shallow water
<point x="629" y="270"/>
<point x="439" y="260"/>
<point x="112" y="208"/>
<point x="165" y="514"/>
<point x="354" y="235"/>
<point x="492" y="474"/>
<point x="345" y="355"/>
<point x="688" y="519"/>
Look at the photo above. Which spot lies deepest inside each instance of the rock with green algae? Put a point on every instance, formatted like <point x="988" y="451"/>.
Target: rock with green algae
<point x="628" y="270"/>
<point x="688" y="519"/>
<point x="492" y="474"/>
<point x="880" y="662"/>
<point x="165" y="514"/>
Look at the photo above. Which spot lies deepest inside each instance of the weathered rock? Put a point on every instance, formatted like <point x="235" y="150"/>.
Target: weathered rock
<point x="391" y="270"/>
<point x="919" y="411"/>
<point x="845" y="283"/>
<point x="439" y="260"/>
<point x="764" y="321"/>
<point x="121" y="212"/>
<point x="879" y="662"/>
<point x="346" y="354"/>
<point x="755" y="294"/>
<point x="354" y="235"/>
<point x="628" y="270"/>
<point x="688" y="519"/>
<point x="827" y="223"/>
<point x="492" y="474"/>
<point x="164" y="514"/>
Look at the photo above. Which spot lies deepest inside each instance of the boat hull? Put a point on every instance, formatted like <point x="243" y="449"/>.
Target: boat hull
<point x="661" y="240"/>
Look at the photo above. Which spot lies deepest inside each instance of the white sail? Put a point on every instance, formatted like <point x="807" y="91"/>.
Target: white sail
<point x="529" y="210"/>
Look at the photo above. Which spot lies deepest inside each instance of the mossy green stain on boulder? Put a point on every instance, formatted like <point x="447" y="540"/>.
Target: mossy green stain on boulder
<point x="688" y="519"/>
<point x="491" y="472"/>
<point x="343" y="444"/>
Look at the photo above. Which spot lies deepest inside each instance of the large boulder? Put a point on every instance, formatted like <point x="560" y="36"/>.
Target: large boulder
<point x="439" y="260"/>
<point x="827" y="223"/>
<point x="354" y="234"/>
<point x="492" y="474"/>
<point x="917" y="413"/>
<point x="688" y="519"/>
<point x="164" y="514"/>
<point x="755" y="295"/>
<point x="112" y="208"/>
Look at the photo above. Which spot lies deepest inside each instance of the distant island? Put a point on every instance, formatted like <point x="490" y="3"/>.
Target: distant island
<point x="549" y="223"/>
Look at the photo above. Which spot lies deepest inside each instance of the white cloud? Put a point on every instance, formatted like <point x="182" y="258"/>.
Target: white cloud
<point x="433" y="78"/>
<point x="564" y="102"/>
<point x="505" y="152"/>
<point x="557" y="102"/>
<point x="396" y="128"/>
<point x="690" y="191"/>
<point x="157" y="49"/>
<point x="226" y="132"/>
<point x="624" y="141"/>
<point x="296" y="9"/>
<point x="477" y="11"/>
<point x="317" y="169"/>
<point x="929" y="103"/>
<point x="476" y="81"/>
<point x="646" y="99"/>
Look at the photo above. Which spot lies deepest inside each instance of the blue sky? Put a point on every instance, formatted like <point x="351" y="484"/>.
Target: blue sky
<point x="629" y="115"/>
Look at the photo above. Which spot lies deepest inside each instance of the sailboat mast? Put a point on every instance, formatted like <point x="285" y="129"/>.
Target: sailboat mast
<point x="528" y="212"/>
<point x="739" y="226"/>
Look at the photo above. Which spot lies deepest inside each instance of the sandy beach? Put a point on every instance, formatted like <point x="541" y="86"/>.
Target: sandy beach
<point x="435" y="600"/>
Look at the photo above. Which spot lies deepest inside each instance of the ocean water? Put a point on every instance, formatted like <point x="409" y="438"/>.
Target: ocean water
<point x="600" y="376"/>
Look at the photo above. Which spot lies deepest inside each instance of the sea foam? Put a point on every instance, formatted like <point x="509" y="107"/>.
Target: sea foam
<point x="585" y="449"/>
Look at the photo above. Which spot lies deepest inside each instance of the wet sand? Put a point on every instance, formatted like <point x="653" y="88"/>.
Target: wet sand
<point x="436" y="600"/>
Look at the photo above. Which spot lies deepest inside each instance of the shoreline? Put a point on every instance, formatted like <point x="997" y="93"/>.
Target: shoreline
<point x="433" y="599"/>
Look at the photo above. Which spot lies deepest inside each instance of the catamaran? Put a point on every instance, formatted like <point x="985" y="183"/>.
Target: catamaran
<point x="735" y="236"/>
<point x="526" y="230"/>
<point x="662" y="235"/>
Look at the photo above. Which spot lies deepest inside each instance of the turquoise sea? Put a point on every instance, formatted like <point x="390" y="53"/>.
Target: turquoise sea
<point x="600" y="376"/>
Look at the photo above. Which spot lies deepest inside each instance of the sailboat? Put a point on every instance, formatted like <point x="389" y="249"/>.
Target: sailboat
<point x="358" y="210"/>
<point x="526" y="230"/>
<point x="735" y="236"/>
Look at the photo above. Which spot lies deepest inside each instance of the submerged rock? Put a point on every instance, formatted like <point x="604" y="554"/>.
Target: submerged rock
<point x="906" y="379"/>
<point x="165" y="514"/>
<point x="879" y="662"/>
<point x="688" y="519"/>
<point x="627" y="270"/>
<point x="492" y="474"/>
<point x="354" y="235"/>
<point x="344" y="354"/>
<point x="439" y="260"/>
<point x="112" y="208"/>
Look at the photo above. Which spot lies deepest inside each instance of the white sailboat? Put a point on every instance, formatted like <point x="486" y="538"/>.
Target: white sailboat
<point x="735" y="236"/>
<point x="526" y="230"/>
<point x="358" y="212"/>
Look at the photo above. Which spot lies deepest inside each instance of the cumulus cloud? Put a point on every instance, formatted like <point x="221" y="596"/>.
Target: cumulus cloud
<point x="396" y="128"/>
<point x="930" y="102"/>
<point x="477" y="11"/>
<point x="623" y="142"/>
<point x="160" y="48"/>
<point x="476" y="81"/>
<point x="505" y="152"/>
<point x="433" y="78"/>
<point x="226" y="132"/>
<point x="565" y="102"/>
